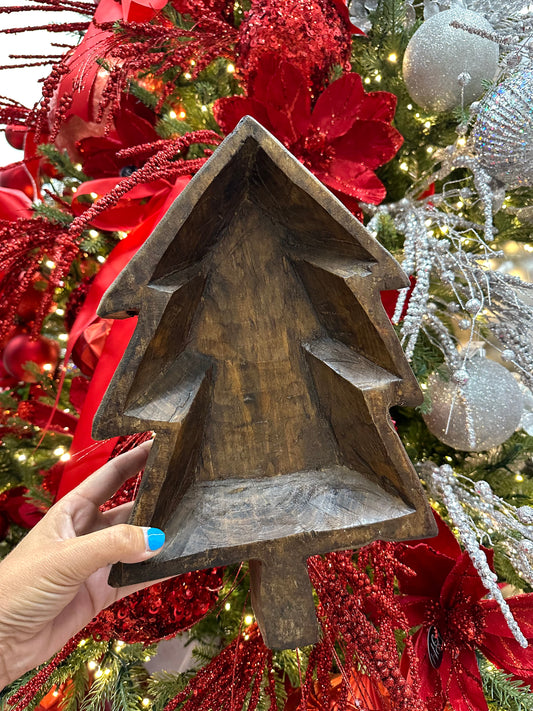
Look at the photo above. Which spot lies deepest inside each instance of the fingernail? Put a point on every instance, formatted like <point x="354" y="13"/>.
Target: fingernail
<point x="154" y="537"/>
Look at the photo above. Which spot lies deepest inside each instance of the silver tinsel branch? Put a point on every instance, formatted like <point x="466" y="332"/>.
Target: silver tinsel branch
<point x="460" y="494"/>
<point x="502" y="14"/>
<point x="444" y="249"/>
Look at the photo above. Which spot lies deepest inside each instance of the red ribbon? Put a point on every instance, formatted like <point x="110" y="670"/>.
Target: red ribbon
<point x="87" y="454"/>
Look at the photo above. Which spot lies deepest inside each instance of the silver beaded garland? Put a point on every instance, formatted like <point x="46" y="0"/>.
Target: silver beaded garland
<point x="444" y="66"/>
<point x="479" y="407"/>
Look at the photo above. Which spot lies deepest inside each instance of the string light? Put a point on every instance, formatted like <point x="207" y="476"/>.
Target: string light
<point x="393" y="57"/>
<point x="64" y="457"/>
<point x="94" y="195"/>
<point x="227" y="606"/>
<point x="367" y="80"/>
<point x="58" y="451"/>
<point x="248" y="620"/>
<point x="93" y="233"/>
<point x="404" y="166"/>
<point x="187" y="75"/>
<point x="146" y="702"/>
<point x="230" y="68"/>
<point x="92" y="664"/>
<point x="172" y="114"/>
<point x="50" y="264"/>
<point x="100" y="259"/>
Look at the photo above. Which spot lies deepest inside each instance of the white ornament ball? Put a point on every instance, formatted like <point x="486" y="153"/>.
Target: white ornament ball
<point x="503" y="131"/>
<point x="442" y="62"/>
<point x="477" y="414"/>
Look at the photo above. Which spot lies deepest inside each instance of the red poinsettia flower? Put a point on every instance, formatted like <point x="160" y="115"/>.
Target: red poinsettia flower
<point x="446" y="598"/>
<point x="342" y="138"/>
<point x="15" y="508"/>
<point x="133" y="125"/>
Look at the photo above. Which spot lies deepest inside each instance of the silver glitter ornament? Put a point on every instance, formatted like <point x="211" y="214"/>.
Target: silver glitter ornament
<point x="479" y="414"/>
<point x="503" y="131"/>
<point x="437" y="55"/>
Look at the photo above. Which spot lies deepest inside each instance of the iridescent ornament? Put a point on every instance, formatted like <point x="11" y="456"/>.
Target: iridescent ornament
<point x="503" y="131"/>
<point x="439" y="58"/>
<point x="476" y="414"/>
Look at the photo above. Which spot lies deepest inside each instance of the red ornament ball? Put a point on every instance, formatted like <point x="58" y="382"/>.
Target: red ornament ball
<point x="6" y="380"/>
<point x="15" y="135"/>
<point x="313" y="35"/>
<point x="23" y="349"/>
<point x="88" y="348"/>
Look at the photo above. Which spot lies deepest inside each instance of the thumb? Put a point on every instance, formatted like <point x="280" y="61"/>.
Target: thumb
<point x="86" y="554"/>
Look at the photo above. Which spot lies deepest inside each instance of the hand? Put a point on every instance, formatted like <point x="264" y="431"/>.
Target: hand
<point x="55" y="581"/>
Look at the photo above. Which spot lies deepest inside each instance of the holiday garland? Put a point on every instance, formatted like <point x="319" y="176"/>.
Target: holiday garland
<point x="128" y="115"/>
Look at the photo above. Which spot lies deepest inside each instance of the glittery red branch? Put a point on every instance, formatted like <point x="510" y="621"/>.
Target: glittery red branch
<point x="24" y="244"/>
<point x="361" y="615"/>
<point x="13" y="112"/>
<point x="21" y="698"/>
<point x="167" y="46"/>
<point x="228" y="679"/>
<point x="161" y="165"/>
<point x="85" y="8"/>
<point x="58" y="27"/>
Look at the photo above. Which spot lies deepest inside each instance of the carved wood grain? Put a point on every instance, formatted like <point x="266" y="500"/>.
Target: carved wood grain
<point x="266" y="365"/>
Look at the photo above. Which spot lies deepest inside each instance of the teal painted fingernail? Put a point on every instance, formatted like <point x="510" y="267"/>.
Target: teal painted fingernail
<point x="155" y="538"/>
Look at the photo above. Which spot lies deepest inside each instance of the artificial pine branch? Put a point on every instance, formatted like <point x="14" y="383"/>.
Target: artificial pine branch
<point x="504" y="690"/>
<point x="163" y="686"/>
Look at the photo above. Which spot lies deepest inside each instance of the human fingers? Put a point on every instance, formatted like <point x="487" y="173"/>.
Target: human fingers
<point x="103" y="519"/>
<point x="100" y="486"/>
<point x="119" y="514"/>
<point x="78" y="558"/>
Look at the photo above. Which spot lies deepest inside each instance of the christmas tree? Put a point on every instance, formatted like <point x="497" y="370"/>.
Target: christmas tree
<point x="417" y="117"/>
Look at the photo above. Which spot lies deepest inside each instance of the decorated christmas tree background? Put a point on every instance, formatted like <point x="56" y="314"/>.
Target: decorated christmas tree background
<point x="417" y="117"/>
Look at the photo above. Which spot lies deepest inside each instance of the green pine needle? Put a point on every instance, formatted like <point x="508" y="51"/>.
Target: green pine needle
<point x="504" y="690"/>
